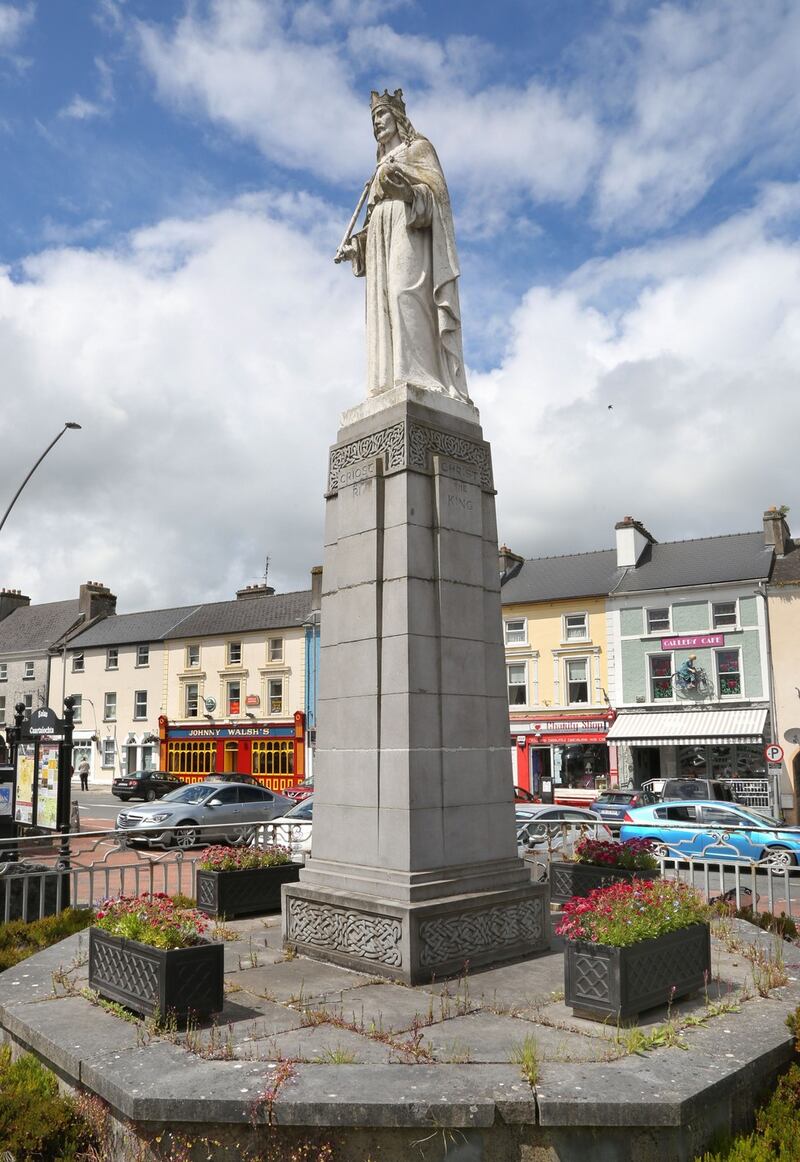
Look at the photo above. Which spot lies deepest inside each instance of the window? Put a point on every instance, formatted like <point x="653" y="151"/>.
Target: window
<point x="577" y="680"/>
<point x="276" y="649"/>
<point x="516" y="631"/>
<point x="110" y="706"/>
<point x="142" y="655"/>
<point x="729" y="677"/>
<point x="28" y="703"/>
<point x="723" y="614"/>
<point x="191" y="758"/>
<point x="192" y="656"/>
<point x="112" y="659"/>
<point x="28" y="674"/>
<point x="660" y="676"/>
<point x="3" y="671"/>
<point x="273" y="757"/>
<point x="657" y="620"/>
<point x="191" y="699"/>
<point x="517" y="685"/>
<point x="140" y="704"/>
<point x="78" y="708"/>
<point x="234" y="698"/>
<point x="77" y="662"/>
<point x="108" y="753"/>
<point x="2" y="709"/>
<point x="576" y="628"/>
<point x="234" y="653"/>
<point x="254" y="795"/>
<point x="275" y="695"/>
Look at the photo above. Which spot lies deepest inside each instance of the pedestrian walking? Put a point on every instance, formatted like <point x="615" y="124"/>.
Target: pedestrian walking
<point x="83" y="771"/>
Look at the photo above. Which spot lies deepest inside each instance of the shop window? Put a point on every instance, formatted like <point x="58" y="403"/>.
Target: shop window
<point x="3" y="671"/>
<point x="581" y="765"/>
<point x="112" y="659"/>
<point x="234" y="653"/>
<point x="110" y="706"/>
<point x="723" y="614"/>
<point x="516" y="629"/>
<point x="517" y="685"/>
<point x="577" y="681"/>
<point x="142" y="655"/>
<point x="276" y="649"/>
<point x="77" y="708"/>
<point x="657" y="620"/>
<point x="191" y="758"/>
<point x="729" y="678"/>
<point x="273" y="757"/>
<point x="108" y="753"/>
<point x="2" y="709"/>
<point x="191" y="699"/>
<point x="140" y="704"/>
<point x="234" y="697"/>
<point x="77" y="662"/>
<point x="692" y="761"/>
<point x="192" y="656"/>
<point x="275" y="695"/>
<point x="576" y="627"/>
<point x="660" y="677"/>
<point x="28" y="674"/>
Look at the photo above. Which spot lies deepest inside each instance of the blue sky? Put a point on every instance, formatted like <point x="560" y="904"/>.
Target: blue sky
<point x="177" y="174"/>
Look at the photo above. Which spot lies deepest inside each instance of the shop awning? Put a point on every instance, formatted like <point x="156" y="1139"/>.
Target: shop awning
<point x="679" y="727"/>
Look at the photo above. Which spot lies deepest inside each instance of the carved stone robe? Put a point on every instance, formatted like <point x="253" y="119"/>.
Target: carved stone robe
<point x="408" y="253"/>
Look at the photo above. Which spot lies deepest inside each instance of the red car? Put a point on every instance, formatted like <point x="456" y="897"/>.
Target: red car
<point x="523" y="796"/>
<point x="301" y="791"/>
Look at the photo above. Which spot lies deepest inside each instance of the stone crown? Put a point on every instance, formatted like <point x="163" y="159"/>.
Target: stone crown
<point x="386" y="99"/>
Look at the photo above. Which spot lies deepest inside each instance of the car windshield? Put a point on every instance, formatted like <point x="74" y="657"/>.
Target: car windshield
<point x="301" y="811"/>
<point x="195" y="794"/>
<point x="760" y="817"/>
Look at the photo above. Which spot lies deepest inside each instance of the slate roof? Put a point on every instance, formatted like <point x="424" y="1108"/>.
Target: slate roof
<point x="671" y="565"/>
<point x="243" y="615"/>
<point x="36" y="627"/>
<point x="787" y="569"/>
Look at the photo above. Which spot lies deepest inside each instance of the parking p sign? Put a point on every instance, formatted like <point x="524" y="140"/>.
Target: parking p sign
<point x="774" y="753"/>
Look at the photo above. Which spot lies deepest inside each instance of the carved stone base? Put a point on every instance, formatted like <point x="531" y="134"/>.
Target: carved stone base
<point x="414" y="943"/>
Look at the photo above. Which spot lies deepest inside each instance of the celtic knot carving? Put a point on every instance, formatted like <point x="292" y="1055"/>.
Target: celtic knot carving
<point x="424" y="441"/>
<point x="390" y="443"/>
<point x="374" y="938"/>
<point x="465" y="934"/>
<point x="409" y="445"/>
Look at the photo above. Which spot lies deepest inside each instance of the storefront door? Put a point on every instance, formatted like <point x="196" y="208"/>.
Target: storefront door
<point x="231" y="757"/>
<point x="646" y="764"/>
<point x="541" y="774"/>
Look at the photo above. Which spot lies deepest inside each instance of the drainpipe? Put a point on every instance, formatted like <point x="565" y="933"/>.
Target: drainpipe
<point x="761" y="589"/>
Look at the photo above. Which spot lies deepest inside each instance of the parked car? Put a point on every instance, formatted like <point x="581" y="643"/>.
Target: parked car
<point x="300" y="791"/>
<point x="235" y="777"/>
<point x="691" y="788"/>
<point x="147" y="785"/>
<point x="293" y="830"/>
<point x="695" y="828"/>
<point x="611" y="805"/>
<point x="556" y="830"/>
<point x="231" y="810"/>
<point x="521" y="795"/>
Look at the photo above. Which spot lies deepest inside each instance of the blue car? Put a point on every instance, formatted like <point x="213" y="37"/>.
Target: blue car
<point x="708" y="829"/>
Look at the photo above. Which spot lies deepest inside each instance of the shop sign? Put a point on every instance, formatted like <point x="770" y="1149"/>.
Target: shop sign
<point x="252" y="700"/>
<point x="44" y="721"/>
<point x="693" y="641"/>
<point x="214" y="732"/>
<point x="570" y="726"/>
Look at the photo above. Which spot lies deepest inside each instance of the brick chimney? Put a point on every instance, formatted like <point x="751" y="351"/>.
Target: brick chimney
<point x="632" y="540"/>
<point x="776" y="531"/>
<point x="509" y="561"/>
<point x="96" y="600"/>
<point x="11" y="599"/>
<point x="316" y="587"/>
<point x="260" y="590"/>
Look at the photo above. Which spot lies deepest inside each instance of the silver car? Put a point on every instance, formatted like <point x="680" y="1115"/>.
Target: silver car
<point x="293" y="830"/>
<point x="204" y="812"/>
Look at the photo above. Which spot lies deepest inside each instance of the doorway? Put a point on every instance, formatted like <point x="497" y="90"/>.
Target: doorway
<point x="541" y="772"/>
<point x="646" y="764"/>
<point x="231" y="757"/>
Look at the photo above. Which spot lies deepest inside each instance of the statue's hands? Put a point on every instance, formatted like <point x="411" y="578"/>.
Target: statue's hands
<point x="395" y="185"/>
<point x="346" y="253"/>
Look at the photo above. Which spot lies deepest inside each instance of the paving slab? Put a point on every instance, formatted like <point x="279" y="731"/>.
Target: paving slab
<point x="325" y="1044"/>
<point x="250" y="953"/>
<point x="488" y="1037"/>
<point x="387" y="1007"/>
<point x="300" y="981"/>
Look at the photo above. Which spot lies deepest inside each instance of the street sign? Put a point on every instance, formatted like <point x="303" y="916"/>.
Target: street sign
<point x="774" y="753"/>
<point x="44" y="721"/>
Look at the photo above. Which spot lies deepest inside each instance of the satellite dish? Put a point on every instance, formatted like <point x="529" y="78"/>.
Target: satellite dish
<point x="793" y="735"/>
<point x="210" y="704"/>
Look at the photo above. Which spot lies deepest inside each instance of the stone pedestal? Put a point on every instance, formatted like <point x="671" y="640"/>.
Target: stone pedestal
<point x="415" y="869"/>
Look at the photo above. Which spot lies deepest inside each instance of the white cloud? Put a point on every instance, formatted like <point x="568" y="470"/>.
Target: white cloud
<point x="14" y="22"/>
<point x="79" y="109"/>
<point x="695" y="344"/>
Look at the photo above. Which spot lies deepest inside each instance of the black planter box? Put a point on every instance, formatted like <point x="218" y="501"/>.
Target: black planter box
<point x="602" y="983"/>
<point x="244" y="893"/>
<point x="44" y="880"/>
<point x="569" y="879"/>
<point x="179" y="981"/>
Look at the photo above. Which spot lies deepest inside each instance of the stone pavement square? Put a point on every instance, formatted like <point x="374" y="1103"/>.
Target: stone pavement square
<point x="387" y="1007"/>
<point x="300" y="981"/>
<point x="486" y="1037"/>
<point x="323" y="1045"/>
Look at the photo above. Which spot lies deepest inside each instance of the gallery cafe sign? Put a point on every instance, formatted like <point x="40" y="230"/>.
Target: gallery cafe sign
<point x="693" y="641"/>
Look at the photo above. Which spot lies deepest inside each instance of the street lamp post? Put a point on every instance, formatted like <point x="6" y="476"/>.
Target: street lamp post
<point x="52" y="444"/>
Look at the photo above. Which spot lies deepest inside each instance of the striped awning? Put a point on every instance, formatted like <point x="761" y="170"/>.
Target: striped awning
<point x="669" y="728"/>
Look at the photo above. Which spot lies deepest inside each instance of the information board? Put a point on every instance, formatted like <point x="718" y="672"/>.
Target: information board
<point x="25" y="777"/>
<point x="47" y="780"/>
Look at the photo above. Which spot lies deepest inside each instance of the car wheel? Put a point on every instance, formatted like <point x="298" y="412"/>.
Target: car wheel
<point x="778" y="859"/>
<point x="187" y="837"/>
<point x="124" y="798"/>
<point x="149" y="794"/>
